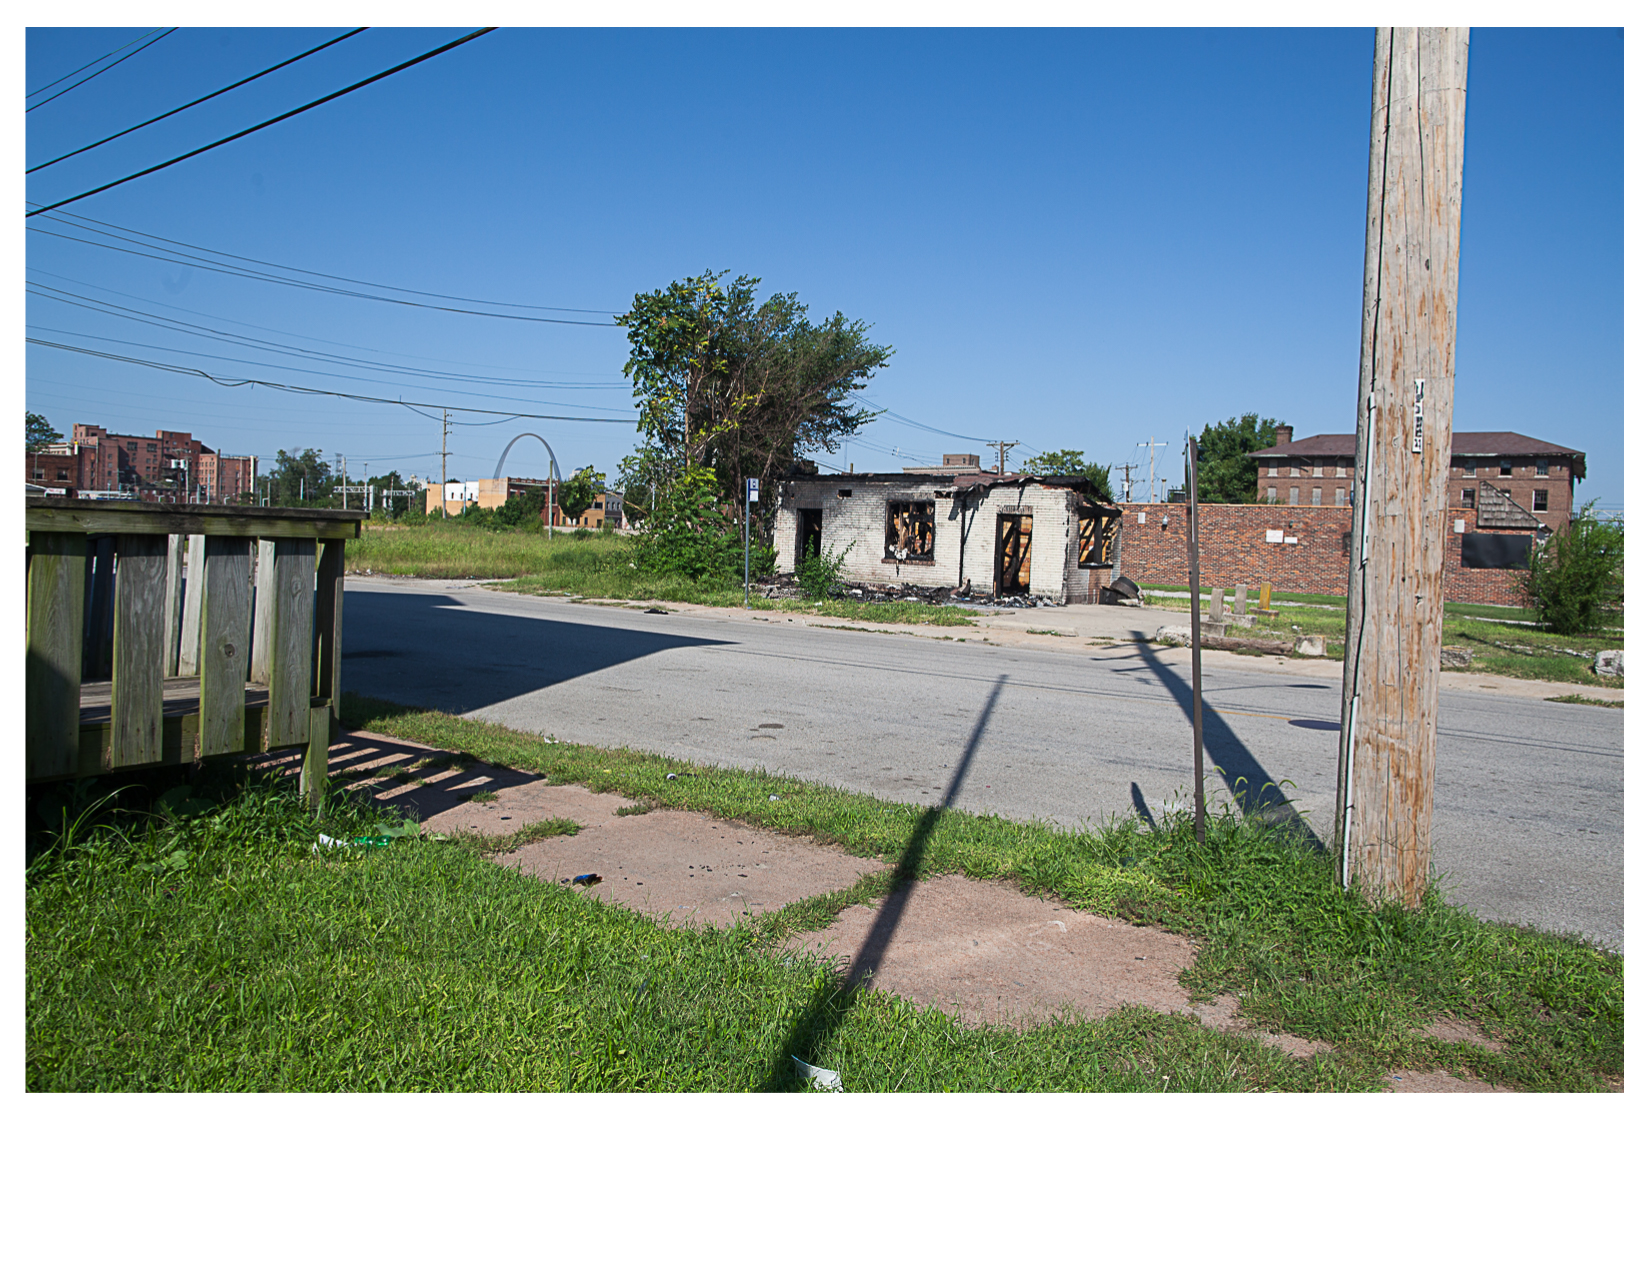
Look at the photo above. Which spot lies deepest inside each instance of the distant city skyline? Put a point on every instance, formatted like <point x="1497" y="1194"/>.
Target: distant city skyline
<point x="1074" y="238"/>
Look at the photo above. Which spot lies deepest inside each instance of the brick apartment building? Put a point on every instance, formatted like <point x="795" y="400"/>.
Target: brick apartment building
<point x="1540" y="477"/>
<point x="171" y="467"/>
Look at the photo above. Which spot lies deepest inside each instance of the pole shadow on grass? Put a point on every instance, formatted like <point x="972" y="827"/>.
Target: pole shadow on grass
<point x="822" y="1018"/>
<point x="1254" y="791"/>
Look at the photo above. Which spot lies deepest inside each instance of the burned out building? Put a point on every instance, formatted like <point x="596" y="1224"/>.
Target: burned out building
<point x="1044" y="538"/>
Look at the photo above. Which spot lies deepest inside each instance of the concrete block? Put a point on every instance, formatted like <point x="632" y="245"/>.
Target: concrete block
<point x="1310" y="644"/>
<point x="1455" y="657"/>
<point x="1608" y="664"/>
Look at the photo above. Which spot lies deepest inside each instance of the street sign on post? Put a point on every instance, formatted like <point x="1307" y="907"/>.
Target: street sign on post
<point x="752" y="487"/>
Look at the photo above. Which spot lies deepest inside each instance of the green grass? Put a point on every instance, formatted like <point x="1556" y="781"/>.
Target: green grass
<point x="597" y="568"/>
<point x="1586" y="699"/>
<point x="219" y="951"/>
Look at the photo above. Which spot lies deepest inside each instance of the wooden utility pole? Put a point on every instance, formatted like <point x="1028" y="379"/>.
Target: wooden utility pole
<point x="1197" y="636"/>
<point x="1406" y="385"/>
<point x="443" y="462"/>
<point x="1002" y="453"/>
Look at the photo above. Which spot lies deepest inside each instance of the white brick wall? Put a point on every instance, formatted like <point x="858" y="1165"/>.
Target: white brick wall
<point x="857" y="523"/>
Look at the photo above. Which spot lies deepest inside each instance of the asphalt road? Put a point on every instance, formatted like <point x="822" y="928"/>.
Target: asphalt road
<point x="1528" y="815"/>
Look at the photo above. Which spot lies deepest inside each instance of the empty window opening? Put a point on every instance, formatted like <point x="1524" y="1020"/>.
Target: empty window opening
<point x="1540" y="503"/>
<point x="1013" y="553"/>
<point x="809" y="527"/>
<point x="844" y="492"/>
<point x="1470" y="469"/>
<point x="1096" y="538"/>
<point x="910" y="531"/>
<point x="1506" y="469"/>
<point x="1541" y="469"/>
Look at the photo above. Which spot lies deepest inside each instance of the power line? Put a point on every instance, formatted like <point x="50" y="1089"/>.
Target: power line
<point x="906" y="420"/>
<point x="345" y="345"/>
<point x="224" y="141"/>
<point x="177" y="109"/>
<point x="99" y="71"/>
<point x="283" y="367"/>
<point x="63" y="297"/>
<point x="70" y="219"/>
<point x="183" y="259"/>
<point x="93" y="62"/>
<point x="236" y="382"/>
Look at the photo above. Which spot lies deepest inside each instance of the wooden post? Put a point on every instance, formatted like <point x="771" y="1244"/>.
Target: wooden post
<point x="1197" y="637"/>
<point x="174" y="598"/>
<point x="225" y="628"/>
<point x="1406" y="379"/>
<point x="189" y="641"/>
<point x="137" y="692"/>
<point x="56" y="606"/>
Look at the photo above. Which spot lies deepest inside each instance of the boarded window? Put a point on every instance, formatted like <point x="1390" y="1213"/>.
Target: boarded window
<point x="1096" y="537"/>
<point x="1317" y="495"/>
<point x="1272" y="494"/>
<point x="1294" y="495"/>
<point x="910" y="529"/>
<point x="1504" y="552"/>
<point x="1340" y="495"/>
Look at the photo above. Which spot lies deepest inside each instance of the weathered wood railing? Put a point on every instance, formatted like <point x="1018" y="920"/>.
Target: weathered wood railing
<point x="160" y="634"/>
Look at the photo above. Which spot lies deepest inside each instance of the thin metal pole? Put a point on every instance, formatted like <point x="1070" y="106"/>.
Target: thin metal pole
<point x="747" y="546"/>
<point x="1197" y="635"/>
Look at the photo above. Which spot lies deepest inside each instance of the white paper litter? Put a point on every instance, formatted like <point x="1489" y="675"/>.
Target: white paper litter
<point x="819" y="1077"/>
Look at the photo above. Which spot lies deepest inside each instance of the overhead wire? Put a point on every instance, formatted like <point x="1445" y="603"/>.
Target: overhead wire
<point x="182" y="259"/>
<point x="180" y="109"/>
<point x="93" y="62"/>
<point x="497" y="367"/>
<point x="236" y="382"/>
<point x="64" y="297"/>
<point x="97" y="72"/>
<point x="224" y="141"/>
<point x="75" y="217"/>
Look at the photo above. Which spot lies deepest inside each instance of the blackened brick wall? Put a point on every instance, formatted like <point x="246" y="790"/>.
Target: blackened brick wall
<point x="1312" y="558"/>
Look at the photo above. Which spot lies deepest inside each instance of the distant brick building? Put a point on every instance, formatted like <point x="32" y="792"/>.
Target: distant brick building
<point x="1317" y="470"/>
<point x="1307" y="549"/>
<point x="172" y="466"/>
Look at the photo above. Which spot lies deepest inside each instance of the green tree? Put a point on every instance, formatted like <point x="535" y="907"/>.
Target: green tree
<point x="743" y="387"/>
<point x="38" y="431"/>
<point x="301" y="479"/>
<point x="1226" y="473"/>
<point x="1071" y="463"/>
<point x="1577" y="578"/>
<point x="642" y="475"/>
<point x="690" y="532"/>
<point x="578" y="493"/>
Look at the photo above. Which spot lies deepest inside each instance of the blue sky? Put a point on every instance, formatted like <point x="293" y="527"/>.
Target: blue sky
<point x="1074" y="239"/>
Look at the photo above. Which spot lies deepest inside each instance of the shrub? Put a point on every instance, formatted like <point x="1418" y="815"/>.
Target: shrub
<point x="817" y="575"/>
<point x="689" y="533"/>
<point x="1576" y="578"/>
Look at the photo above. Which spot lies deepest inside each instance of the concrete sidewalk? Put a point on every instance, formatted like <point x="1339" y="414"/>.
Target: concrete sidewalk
<point x="982" y="951"/>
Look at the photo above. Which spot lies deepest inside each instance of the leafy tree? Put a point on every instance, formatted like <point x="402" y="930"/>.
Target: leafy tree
<point x="1577" y="578"/>
<point x="642" y="475"/>
<point x="1226" y="473"/>
<point x="743" y="387"/>
<point x="578" y="493"/>
<point x="304" y="472"/>
<point x="690" y="532"/>
<point x="1068" y="463"/>
<point x="38" y="431"/>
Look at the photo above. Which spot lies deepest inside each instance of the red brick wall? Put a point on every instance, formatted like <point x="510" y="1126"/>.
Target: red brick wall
<point x="1233" y="550"/>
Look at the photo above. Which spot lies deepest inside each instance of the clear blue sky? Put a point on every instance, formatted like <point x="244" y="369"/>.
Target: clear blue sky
<point x="1075" y="239"/>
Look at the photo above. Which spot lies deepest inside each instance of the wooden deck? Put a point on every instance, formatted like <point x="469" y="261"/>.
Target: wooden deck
<point x="162" y="634"/>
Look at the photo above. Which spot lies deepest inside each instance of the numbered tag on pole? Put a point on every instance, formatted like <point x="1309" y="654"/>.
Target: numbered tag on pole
<point x="752" y="487"/>
<point x="1420" y="415"/>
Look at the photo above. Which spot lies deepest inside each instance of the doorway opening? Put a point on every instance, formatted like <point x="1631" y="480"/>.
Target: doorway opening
<point x="1013" y="553"/>
<point x="809" y="531"/>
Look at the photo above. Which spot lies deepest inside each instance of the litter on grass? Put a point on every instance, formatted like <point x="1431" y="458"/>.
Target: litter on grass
<point x="818" y="1077"/>
<point x="587" y="878"/>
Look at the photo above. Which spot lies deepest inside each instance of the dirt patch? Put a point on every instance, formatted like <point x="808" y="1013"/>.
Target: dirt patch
<point x="1457" y="1032"/>
<point x="989" y="954"/>
<point x="684" y="866"/>
<point x="681" y="865"/>
<point x="1439" y="1082"/>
